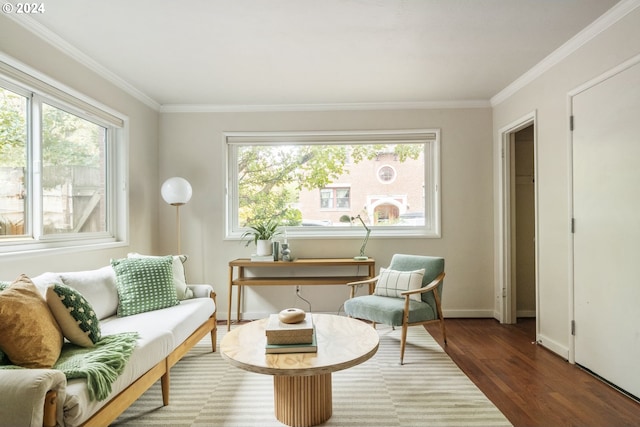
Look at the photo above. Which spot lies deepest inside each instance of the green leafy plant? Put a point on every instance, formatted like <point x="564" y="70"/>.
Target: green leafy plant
<point x="262" y="231"/>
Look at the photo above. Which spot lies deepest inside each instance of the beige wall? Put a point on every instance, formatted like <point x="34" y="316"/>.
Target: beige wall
<point x="21" y="45"/>
<point x="191" y="145"/>
<point x="547" y="95"/>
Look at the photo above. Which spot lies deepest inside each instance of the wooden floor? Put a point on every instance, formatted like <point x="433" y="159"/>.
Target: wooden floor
<point x="529" y="384"/>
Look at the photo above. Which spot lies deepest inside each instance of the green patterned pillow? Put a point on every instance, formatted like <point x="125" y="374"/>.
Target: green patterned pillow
<point x="74" y="315"/>
<point x="3" y="285"/>
<point x="144" y="284"/>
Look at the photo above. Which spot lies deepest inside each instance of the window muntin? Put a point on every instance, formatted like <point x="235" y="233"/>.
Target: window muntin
<point x="261" y="176"/>
<point x="65" y="184"/>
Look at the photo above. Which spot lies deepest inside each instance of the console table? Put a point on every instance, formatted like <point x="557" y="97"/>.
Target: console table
<point x="241" y="279"/>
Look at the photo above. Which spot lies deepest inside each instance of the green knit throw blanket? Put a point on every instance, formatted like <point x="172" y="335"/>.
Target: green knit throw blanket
<point x="100" y="365"/>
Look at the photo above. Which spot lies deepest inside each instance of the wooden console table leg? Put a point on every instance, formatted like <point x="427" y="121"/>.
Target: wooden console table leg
<point x="302" y="401"/>
<point x="229" y="294"/>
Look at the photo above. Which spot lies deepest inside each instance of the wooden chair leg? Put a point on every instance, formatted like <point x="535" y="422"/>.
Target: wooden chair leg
<point x="444" y="333"/>
<point x="403" y="342"/>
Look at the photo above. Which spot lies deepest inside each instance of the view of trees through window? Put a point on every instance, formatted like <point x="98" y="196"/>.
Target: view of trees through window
<point x="68" y="193"/>
<point x="329" y="184"/>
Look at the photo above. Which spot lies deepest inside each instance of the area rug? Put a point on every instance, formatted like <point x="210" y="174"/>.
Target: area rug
<point x="428" y="390"/>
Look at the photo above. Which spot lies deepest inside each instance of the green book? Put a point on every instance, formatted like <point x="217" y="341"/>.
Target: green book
<point x="294" y="348"/>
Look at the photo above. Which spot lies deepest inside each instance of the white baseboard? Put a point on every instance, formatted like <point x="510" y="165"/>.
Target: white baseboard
<point x="554" y="346"/>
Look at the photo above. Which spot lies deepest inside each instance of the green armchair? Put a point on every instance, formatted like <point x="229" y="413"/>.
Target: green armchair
<point x="404" y="296"/>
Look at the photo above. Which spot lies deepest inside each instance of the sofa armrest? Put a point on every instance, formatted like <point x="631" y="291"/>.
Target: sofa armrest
<point x="201" y="291"/>
<point x="24" y="392"/>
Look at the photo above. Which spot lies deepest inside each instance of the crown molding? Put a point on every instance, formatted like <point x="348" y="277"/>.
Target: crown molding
<point x="58" y="42"/>
<point x="601" y="24"/>
<point x="423" y="105"/>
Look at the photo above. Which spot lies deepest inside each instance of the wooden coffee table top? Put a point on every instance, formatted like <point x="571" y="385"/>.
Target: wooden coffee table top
<point x="342" y="343"/>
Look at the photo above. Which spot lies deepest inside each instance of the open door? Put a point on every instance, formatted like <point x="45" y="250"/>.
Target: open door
<point x="606" y="217"/>
<point x="517" y="292"/>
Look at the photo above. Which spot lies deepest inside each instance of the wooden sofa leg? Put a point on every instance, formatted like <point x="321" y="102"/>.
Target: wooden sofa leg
<point x="50" y="406"/>
<point x="164" y="382"/>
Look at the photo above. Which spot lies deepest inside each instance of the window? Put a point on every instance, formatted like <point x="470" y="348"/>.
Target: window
<point x="60" y="164"/>
<point x="315" y="183"/>
<point x="386" y="174"/>
<point x="334" y="198"/>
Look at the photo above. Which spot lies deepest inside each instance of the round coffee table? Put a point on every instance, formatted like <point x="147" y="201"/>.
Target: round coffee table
<point x="302" y="381"/>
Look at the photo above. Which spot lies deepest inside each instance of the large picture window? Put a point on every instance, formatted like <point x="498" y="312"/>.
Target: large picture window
<point x="316" y="183"/>
<point x="59" y="167"/>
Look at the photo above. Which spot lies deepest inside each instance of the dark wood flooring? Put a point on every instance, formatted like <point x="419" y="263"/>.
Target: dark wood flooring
<point x="531" y="385"/>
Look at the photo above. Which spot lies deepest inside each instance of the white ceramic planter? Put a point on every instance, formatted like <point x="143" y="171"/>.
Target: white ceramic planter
<point x="264" y="247"/>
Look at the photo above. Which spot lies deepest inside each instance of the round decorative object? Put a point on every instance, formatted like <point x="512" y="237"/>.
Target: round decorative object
<point x="291" y="315"/>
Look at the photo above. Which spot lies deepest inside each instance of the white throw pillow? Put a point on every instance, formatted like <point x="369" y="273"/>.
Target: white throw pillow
<point x="392" y="282"/>
<point x="179" y="279"/>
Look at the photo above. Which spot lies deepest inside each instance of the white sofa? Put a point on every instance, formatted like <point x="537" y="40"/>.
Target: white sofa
<point x="44" y="397"/>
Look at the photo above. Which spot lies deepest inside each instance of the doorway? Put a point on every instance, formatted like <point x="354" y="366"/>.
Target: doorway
<point x="517" y="292"/>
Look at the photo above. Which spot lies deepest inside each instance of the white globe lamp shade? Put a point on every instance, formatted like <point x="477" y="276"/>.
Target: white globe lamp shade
<point x="176" y="191"/>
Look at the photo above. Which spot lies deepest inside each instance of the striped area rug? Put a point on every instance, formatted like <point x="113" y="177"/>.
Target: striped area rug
<point x="428" y="390"/>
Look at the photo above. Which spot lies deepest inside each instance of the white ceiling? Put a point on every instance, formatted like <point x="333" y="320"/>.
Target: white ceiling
<point x="230" y="53"/>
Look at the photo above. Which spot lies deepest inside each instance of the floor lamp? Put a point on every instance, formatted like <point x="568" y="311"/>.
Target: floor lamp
<point x="176" y="191"/>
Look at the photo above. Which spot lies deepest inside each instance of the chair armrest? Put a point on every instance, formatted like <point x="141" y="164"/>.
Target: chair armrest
<point x="359" y="283"/>
<point x="201" y="291"/>
<point x="363" y="282"/>
<point x="24" y="392"/>
<point x="431" y="286"/>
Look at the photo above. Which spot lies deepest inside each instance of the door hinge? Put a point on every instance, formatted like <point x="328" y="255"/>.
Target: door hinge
<point x="573" y="327"/>
<point x="573" y="225"/>
<point x="571" y="123"/>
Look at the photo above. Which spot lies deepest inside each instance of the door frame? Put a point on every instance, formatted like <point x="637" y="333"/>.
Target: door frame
<point x="505" y="283"/>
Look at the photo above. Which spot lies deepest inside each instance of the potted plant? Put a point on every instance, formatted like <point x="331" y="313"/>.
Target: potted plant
<point x="261" y="234"/>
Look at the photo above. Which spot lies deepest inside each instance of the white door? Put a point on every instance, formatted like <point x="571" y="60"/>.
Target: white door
<point x="606" y="179"/>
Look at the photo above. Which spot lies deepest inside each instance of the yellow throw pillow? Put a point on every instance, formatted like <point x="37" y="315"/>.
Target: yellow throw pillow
<point x="29" y="336"/>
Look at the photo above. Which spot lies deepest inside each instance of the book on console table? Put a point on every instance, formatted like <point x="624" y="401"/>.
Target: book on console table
<point x="262" y="258"/>
<point x="289" y="333"/>
<point x="311" y="347"/>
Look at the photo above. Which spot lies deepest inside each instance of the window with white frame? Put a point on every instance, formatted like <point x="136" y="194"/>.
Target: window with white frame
<point x="60" y="165"/>
<point x="335" y="198"/>
<point x="316" y="183"/>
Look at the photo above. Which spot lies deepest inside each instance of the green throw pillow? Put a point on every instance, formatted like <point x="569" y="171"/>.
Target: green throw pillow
<point x="144" y="284"/>
<point x="3" y="285"/>
<point x="74" y="315"/>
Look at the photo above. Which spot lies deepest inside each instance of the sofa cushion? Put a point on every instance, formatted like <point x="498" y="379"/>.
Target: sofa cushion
<point x="74" y="315"/>
<point x="144" y="284"/>
<point x="179" y="278"/>
<point x="29" y="336"/>
<point x="98" y="287"/>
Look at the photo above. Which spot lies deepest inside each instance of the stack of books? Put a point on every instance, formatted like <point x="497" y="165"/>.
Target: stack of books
<point x="291" y="337"/>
